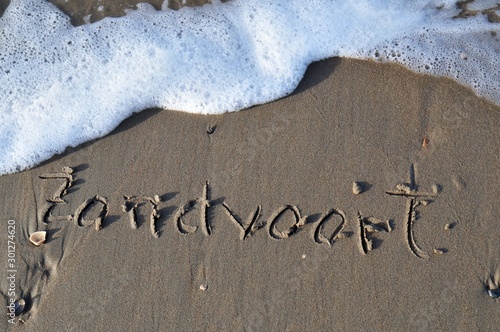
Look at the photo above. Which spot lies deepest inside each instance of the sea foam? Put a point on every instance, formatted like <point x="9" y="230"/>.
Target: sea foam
<point x="62" y="85"/>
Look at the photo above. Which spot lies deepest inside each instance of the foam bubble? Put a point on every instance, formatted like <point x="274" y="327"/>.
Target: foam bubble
<point x="62" y="85"/>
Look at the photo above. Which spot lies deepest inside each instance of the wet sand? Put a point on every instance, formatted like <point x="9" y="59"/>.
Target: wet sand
<point x="247" y="221"/>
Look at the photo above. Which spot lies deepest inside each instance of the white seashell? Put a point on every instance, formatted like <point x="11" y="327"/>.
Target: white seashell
<point x="19" y="307"/>
<point x="37" y="238"/>
<point x="203" y="287"/>
<point x="356" y="188"/>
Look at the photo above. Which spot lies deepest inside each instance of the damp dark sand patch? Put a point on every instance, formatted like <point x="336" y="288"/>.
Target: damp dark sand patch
<point x="492" y="13"/>
<point x="82" y="12"/>
<point x="3" y="6"/>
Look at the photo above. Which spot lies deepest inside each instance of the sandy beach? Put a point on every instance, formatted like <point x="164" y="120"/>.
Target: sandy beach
<point x="366" y="200"/>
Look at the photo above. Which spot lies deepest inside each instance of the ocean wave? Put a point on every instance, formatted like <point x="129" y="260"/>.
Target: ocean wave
<point x="62" y="85"/>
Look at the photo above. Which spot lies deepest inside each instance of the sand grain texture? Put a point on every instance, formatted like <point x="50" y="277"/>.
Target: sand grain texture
<point x="347" y="121"/>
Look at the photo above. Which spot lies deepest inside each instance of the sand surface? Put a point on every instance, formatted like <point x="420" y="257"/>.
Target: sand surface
<point x="95" y="10"/>
<point x="258" y="226"/>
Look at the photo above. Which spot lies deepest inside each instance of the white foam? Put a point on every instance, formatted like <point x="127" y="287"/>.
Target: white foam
<point x="62" y="85"/>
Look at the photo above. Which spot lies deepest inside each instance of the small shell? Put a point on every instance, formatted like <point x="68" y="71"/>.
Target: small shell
<point x="211" y="130"/>
<point x="203" y="287"/>
<point x="19" y="307"/>
<point x="356" y="188"/>
<point x="37" y="238"/>
<point x="494" y="293"/>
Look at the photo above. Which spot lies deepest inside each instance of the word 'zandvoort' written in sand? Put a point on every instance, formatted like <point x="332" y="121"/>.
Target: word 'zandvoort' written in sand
<point x="368" y="226"/>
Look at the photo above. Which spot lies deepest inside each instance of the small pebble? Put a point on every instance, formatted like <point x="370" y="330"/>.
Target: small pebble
<point x="203" y="287"/>
<point x="435" y="189"/>
<point x="438" y="251"/>
<point x="449" y="226"/>
<point x="494" y="293"/>
<point x="356" y="188"/>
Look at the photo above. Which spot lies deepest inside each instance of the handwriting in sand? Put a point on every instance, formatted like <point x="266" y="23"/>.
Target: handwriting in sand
<point x="368" y="226"/>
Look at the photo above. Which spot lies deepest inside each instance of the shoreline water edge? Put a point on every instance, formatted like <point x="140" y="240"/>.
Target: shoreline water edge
<point x="211" y="59"/>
